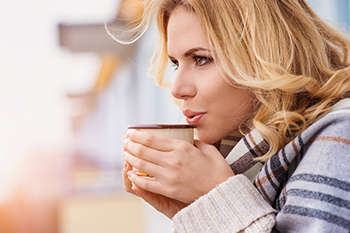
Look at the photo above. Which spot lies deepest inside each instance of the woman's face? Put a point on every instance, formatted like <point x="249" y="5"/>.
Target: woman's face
<point x="209" y="101"/>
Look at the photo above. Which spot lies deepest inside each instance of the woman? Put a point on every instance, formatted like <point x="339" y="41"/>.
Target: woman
<point x="269" y="70"/>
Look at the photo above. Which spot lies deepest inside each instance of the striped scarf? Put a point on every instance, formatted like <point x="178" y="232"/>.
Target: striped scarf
<point x="269" y="177"/>
<point x="240" y="152"/>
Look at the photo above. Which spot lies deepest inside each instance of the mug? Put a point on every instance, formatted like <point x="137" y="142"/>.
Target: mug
<point x="179" y="131"/>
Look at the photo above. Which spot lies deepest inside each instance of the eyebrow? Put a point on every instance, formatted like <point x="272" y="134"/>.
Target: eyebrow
<point x="191" y="51"/>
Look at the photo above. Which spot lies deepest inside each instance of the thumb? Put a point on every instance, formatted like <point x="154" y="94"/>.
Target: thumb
<point x="206" y="148"/>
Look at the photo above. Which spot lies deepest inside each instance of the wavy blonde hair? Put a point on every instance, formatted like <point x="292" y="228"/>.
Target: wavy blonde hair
<point x="295" y="64"/>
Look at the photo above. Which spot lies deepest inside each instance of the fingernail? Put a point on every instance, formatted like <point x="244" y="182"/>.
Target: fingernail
<point x="125" y="165"/>
<point x="125" y="142"/>
<point x="128" y="132"/>
<point x="129" y="173"/>
<point x="125" y="153"/>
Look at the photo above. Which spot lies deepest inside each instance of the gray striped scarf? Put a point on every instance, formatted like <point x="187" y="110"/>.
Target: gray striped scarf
<point x="269" y="177"/>
<point x="240" y="152"/>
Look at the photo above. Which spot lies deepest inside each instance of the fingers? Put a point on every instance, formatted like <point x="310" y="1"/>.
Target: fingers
<point x="165" y="205"/>
<point x="206" y="148"/>
<point x="126" y="180"/>
<point x="147" y="196"/>
<point x="143" y="165"/>
<point x="150" y="185"/>
<point x="142" y="151"/>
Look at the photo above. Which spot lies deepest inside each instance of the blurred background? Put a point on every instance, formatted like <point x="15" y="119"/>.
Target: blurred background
<point x="67" y="93"/>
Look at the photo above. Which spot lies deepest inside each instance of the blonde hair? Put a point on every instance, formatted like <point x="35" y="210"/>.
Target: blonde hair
<point x="295" y="64"/>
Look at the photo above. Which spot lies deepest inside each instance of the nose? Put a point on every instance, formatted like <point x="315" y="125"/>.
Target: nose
<point x="183" y="87"/>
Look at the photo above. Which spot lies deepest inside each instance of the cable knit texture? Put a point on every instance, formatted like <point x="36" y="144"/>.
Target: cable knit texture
<point x="230" y="207"/>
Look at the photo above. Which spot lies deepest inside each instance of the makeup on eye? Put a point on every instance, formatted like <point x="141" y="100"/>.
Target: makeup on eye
<point x="174" y="63"/>
<point x="198" y="61"/>
<point x="201" y="60"/>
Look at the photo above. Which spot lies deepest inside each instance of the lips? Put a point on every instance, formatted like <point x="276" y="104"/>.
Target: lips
<point x="193" y="118"/>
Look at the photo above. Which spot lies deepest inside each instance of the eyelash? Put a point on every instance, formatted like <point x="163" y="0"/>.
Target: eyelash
<point x="208" y="60"/>
<point x="174" y="64"/>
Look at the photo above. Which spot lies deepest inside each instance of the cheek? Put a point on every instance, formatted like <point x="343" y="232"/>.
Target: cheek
<point x="228" y="107"/>
<point x="234" y="109"/>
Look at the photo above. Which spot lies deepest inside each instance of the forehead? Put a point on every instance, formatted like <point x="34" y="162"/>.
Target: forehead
<point x="184" y="30"/>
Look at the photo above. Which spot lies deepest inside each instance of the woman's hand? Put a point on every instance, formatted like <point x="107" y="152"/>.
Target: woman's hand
<point x="169" y="207"/>
<point x="181" y="171"/>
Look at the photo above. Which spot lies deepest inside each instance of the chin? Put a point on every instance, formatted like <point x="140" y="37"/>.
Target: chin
<point x="207" y="137"/>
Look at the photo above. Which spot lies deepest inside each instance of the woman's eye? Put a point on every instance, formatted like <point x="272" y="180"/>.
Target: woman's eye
<point x="200" y="61"/>
<point x="174" y="64"/>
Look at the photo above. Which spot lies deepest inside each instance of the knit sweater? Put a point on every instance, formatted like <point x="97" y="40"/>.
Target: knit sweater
<point x="305" y="187"/>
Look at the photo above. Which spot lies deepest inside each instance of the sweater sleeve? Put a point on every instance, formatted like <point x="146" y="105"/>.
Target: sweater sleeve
<point x="233" y="206"/>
